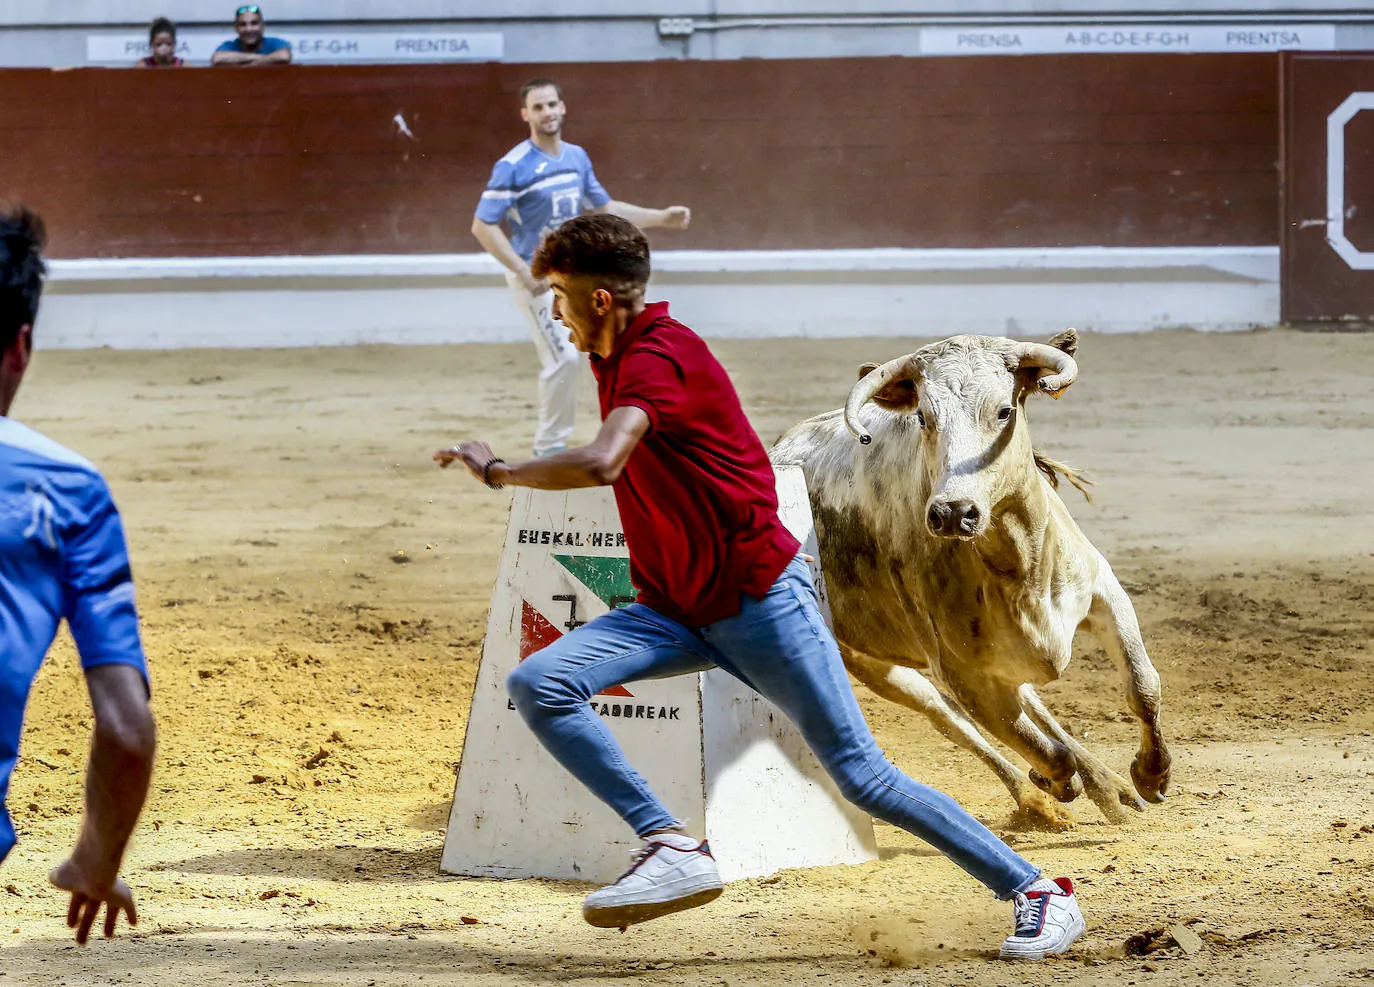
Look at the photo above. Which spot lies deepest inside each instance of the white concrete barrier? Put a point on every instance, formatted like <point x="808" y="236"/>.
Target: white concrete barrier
<point x="150" y="303"/>
<point x="721" y="757"/>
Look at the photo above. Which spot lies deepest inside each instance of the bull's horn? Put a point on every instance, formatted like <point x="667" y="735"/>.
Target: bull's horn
<point x="1065" y="370"/>
<point x="869" y="385"/>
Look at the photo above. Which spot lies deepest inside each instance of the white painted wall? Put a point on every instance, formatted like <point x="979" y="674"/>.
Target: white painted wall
<point x="55" y="32"/>
<point x="98" y="12"/>
<point x="451" y="298"/>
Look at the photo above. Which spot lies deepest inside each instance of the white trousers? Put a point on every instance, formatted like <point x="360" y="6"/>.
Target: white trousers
<point x="559" y="361"/>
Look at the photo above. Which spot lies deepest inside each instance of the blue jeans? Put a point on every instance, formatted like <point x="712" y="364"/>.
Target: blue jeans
<point x="780" y="647"/>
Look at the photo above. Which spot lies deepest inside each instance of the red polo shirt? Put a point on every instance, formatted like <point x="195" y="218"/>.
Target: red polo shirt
<point x="698" y="497"/>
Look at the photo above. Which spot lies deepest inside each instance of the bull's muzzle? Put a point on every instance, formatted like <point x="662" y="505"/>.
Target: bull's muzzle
<point x="954" y="518"/>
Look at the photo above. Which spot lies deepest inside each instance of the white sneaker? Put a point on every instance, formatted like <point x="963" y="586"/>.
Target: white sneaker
<point x="1047" y="921"/>
<point x="670" y="873"/>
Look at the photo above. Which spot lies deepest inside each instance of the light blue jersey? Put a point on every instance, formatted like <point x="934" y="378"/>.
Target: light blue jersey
<point x="535" y="192"/>
<point x="62" y="555"/>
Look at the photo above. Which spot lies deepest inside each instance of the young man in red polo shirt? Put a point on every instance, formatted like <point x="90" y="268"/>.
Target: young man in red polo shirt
<point x="720" y="584"/>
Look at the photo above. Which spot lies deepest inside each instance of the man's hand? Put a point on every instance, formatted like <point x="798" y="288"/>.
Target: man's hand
<point x="122" y="750"/>
<point x="596" y="465"/>
<point x="91" y="887"/>
<point x="532" y="284"/>
<point x="677" y="217"/>
<point x="474" y="455"/>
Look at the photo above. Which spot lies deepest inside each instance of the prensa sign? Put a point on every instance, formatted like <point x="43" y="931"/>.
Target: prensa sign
<point x="719" y="756"/>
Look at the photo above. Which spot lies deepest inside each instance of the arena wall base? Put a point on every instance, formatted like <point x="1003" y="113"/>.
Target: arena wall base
<point x="175" y="303"/>
<point x="721" y="757"/>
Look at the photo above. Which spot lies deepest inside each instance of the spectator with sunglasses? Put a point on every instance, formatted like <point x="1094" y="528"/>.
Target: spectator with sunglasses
<point x="251" y="47"/>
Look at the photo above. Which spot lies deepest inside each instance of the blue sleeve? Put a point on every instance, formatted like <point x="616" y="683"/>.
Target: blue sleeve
<point x="232" y="45"/>
<point x="595" y="195"/>
<point x="270" y="45"/>
<point x="99" y="584"/>
<point x="499" y="194"/>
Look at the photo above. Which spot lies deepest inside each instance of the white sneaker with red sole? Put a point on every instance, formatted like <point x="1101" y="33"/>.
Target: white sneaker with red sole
<point x="670" y="873"/>
<point x="1047" y="921"/>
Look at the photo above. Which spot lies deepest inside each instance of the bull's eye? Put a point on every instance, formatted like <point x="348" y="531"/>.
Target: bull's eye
<point x="1004" y="413"/>
<point x="920" y="418"/>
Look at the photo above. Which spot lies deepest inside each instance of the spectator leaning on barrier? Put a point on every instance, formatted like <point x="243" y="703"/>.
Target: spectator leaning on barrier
<point x="162" y="39"/>
<point x="251" y="47"/>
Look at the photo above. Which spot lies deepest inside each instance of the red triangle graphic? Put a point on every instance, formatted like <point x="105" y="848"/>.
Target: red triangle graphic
<point x="537" y="633"/>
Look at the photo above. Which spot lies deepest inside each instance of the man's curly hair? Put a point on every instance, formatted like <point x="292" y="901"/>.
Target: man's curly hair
<point x="603" y="248"/>
<point x="22" y="238"/>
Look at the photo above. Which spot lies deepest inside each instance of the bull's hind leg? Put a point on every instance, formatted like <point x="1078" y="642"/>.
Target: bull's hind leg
<point x="908" y="687"/>
<point x="1108" y="790"/>
<point x="1112" y="619"/>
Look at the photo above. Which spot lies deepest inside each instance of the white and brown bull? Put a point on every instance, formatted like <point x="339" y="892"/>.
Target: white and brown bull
<point x="957" y="578"/>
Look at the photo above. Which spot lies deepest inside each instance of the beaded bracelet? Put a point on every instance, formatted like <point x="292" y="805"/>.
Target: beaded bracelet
<point x="486" y="472"/>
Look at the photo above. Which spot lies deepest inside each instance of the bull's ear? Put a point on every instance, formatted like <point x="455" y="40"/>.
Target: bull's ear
<point x="899" y="395"/>
<point x="1066" y="341"/>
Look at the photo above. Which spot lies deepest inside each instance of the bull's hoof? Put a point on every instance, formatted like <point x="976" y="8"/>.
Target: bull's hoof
<point x="1114" y="798"/>
<point x="1151" y="780"/>
<point x="1065" y="791"/>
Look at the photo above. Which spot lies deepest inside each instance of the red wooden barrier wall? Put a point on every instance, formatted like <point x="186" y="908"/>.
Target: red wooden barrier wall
<point x="1168" y="150"/>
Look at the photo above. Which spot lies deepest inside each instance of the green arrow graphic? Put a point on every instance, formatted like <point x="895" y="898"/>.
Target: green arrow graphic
<point x="608" y="578"/>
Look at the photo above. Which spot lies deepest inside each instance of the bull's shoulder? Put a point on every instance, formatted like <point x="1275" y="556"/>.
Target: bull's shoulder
<point x="1062" y="526"/>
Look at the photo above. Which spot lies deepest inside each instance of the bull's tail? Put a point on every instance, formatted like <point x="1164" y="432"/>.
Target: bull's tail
<point x="1053" y="469"/>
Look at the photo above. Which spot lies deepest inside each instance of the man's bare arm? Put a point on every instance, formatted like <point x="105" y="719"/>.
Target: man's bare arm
<point x="282" y="56"/>
<point x="117" y="779"/>
<point x="594" y="465"/>
<point x="495" y="242"/>
<point x="232" y="58"/>
<point x="673" y="217"/>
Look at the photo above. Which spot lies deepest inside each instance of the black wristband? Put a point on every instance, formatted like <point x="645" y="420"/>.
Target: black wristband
<point x="486" y="472"/>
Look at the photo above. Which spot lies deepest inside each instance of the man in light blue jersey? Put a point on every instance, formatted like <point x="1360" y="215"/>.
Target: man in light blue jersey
<point x="62" y="555"/>
<point x="541" y="183"/>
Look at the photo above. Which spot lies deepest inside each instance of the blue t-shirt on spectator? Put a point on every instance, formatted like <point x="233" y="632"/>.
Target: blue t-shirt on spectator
<point x="536" y="192"/>
<point x="62" y="555"/>
<point x="268" y="46"/>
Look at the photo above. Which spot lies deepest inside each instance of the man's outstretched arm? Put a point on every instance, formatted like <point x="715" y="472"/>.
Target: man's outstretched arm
<point x="117" y="779"/>
<point x="673" y="217"/>
<point x="594" y="465"/>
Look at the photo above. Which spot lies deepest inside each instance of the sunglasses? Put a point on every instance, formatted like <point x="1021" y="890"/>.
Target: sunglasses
<point x="250" y="9"/>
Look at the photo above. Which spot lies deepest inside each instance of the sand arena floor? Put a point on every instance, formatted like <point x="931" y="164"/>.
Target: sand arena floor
<point x="267" y="492"/>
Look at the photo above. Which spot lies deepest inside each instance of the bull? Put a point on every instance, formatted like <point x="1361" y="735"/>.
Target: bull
<point x="957" y="577"/>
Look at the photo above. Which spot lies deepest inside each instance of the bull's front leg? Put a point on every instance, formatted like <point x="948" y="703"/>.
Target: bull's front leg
<point x="1109" y="791"/>
<point x="908" y="687"/>
<point x="1112" y="619"/>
